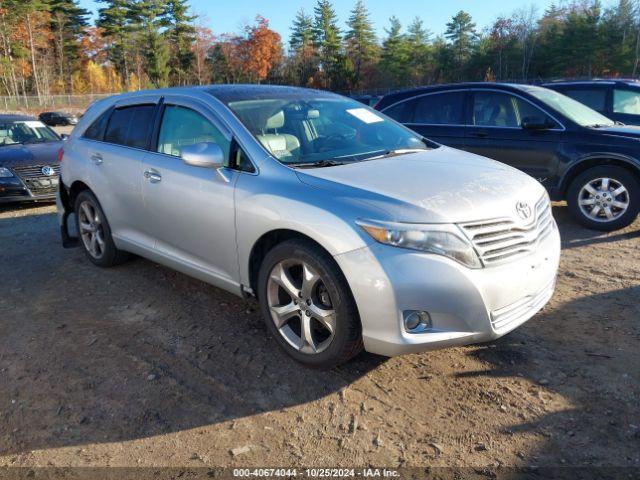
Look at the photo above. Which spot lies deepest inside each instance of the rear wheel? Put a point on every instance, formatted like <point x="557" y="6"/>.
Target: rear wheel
<point x="95" y="232"/>
<point x="604" y="198"/>
<point x="307" y="305"/>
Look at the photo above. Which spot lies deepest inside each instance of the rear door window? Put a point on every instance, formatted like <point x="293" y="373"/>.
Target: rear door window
<point x="130" y="126"/>
<point x="439" y="109"/>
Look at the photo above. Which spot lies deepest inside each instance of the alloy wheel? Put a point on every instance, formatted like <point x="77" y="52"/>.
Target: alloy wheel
<point x="603" y="199"/>
<point x="91" y="229"/>
<point x="300" y="306"/>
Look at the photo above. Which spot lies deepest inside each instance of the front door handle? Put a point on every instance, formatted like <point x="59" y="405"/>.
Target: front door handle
<point x="153" y="176"/>
<point x="96" y="158"/>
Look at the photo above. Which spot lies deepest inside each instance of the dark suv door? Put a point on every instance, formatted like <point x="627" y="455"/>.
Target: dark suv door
<point x="511" y="129"/>
<point x="438" y="116"/>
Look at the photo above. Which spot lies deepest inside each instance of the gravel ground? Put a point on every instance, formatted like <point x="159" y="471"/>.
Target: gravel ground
<point x="142" y="366"/>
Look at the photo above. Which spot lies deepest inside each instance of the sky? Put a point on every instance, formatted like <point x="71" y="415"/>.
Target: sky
<point x="228" y="16"/>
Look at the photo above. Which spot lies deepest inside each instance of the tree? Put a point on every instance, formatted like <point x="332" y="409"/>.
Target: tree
<point x="68" y="21"/>
<point x="180" y="34"/>
<point x="418" y="39"/>
<point x="202" y="45"/>
<point x="263" y="49"/>
<point x="461" y="32"/>
<point x="360" y="39"/>
<point x="327" y="41"/>
<point x="303" y="50"/>
<point x="113" y="20"/>
<point x="394" y="59"/>
<point x="148" y="17"/>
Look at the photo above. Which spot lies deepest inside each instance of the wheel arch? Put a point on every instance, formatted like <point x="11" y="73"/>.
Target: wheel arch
<point x="75" y="189"/>
<point x="265" y="243"/>
<point x="596" y="160"/>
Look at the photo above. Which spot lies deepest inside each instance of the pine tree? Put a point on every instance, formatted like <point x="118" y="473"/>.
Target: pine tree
<point x="149" y="17"/>
<point x="418" y="39"/>
<point x="180" y="34"/>
<point x="461" y="32"/>
<point x="327" y="40"/>
<point x="301" y="43"/>
<point x="302" y="33"/>
<point x="361" y="39"/>
<point x="113" y="19"/>
<point x="68" y="21"/>
<point x="394" y="60"/>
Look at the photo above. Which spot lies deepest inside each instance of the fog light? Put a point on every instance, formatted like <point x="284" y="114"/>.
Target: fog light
<point x="416" y="321"/>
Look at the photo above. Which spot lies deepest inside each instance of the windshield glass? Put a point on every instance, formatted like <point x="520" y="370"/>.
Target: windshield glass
<point x="303" y="130"/>
<point x="574" y="110"/>
<point x="25" y="131"/>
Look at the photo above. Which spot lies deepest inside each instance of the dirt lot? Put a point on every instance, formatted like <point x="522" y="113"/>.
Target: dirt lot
<point x="139" y="365"/>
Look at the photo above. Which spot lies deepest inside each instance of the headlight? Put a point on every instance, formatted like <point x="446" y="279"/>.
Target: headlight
<point x="5" y="173"/>
<point x="439" y="239"/>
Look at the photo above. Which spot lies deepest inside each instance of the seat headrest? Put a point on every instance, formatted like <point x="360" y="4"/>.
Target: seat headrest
<point x="275" y="121"/>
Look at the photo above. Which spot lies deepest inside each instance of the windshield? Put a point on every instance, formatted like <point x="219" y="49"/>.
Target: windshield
<point x="304" y="130"/>
<point x="25" y="131"/>
<point x="576" y="111"/>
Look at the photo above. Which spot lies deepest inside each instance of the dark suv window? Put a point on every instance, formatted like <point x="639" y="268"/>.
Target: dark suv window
<point x="130" y="126"/>
<point x="439" y="109"/>
<point x="592" y="98"/>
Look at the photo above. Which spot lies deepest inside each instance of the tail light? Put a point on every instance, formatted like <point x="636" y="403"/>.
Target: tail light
<point x="60" y="154"/>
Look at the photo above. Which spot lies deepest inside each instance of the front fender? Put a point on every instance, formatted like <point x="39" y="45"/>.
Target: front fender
<point x="602" y="156"/>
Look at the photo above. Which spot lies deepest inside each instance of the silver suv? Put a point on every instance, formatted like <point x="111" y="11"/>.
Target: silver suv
<point x="352" y="231"/>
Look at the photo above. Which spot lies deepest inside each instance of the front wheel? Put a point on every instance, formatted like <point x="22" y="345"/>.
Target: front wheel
<point x="604" y="198"/>
<point x="307" y="305"/>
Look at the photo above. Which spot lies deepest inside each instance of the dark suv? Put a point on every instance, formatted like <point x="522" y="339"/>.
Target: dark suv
<point x="575" y="152"/>
<point x="617" y="99"/>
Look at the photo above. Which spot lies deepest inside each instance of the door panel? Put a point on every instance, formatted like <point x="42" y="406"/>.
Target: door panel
<point x="496" y="133"/>
<point x="190" y="210"/>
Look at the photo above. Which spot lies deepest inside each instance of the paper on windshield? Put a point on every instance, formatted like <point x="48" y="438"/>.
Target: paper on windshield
<point x="364" y="115"/>
<point x="32" y="123"/>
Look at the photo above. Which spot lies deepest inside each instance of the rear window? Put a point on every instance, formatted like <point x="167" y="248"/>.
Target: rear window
<point x="130" y="126"/>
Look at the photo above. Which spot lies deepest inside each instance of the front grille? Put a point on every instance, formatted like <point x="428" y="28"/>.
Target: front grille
<point x="37" y="182"/>
<point x="503" y="239"/>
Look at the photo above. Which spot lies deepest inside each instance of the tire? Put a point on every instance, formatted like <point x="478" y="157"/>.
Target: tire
<point x="105" y="253"/>
<point x="328" y="291"/>
<point x="604" y="197"/>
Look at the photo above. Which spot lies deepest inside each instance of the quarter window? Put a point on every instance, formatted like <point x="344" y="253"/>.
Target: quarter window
<point x="592" y="98"/>
<point x="626" y="101"/>
<point x="439" y="109"/>
<point x="130" y="126"/>
<point x="96" y="130"/>
<point x="182" y="126"/>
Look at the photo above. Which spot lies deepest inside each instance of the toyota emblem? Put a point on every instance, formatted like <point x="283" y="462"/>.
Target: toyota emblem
<point x="48" y="171"/>
<point x="524" y="210"/>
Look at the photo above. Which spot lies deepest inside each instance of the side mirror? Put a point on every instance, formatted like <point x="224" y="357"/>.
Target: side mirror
<point x="205" y="154"/>
<point x="536" y="123"/>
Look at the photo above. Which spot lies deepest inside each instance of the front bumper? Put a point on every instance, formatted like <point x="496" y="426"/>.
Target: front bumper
<point x="13" y="190"/>
<point x="466" y="305"/>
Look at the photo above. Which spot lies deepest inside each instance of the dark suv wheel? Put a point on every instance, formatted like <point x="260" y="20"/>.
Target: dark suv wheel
<point x="604" y="198"/>
<point x="307" y="305"/>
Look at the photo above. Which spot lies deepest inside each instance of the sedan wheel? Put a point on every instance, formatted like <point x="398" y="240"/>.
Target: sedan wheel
<point x="300" y="306"/>
<point x="91" y="231"/>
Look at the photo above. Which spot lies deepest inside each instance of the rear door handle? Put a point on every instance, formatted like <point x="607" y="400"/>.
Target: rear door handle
<point x="152" y="175"/>
<point x="96" y="158"/>
<point x="479" y="134"/>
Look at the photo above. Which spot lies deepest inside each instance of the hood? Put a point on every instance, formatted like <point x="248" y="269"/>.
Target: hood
<point x="620" y="131"/>
<point x="29" y="154"/>
<point x="443" y="185"/>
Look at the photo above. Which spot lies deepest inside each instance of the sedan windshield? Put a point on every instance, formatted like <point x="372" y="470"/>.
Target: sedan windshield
<point x="25" y="131"/>
<point x="575" y="111"/>
<point x="303" y="131"/>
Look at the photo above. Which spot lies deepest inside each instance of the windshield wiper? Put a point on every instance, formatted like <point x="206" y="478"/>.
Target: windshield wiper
<point x="318" y="164"/>
<point x="599" y="125"/>
<point x="393" y="153"/>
